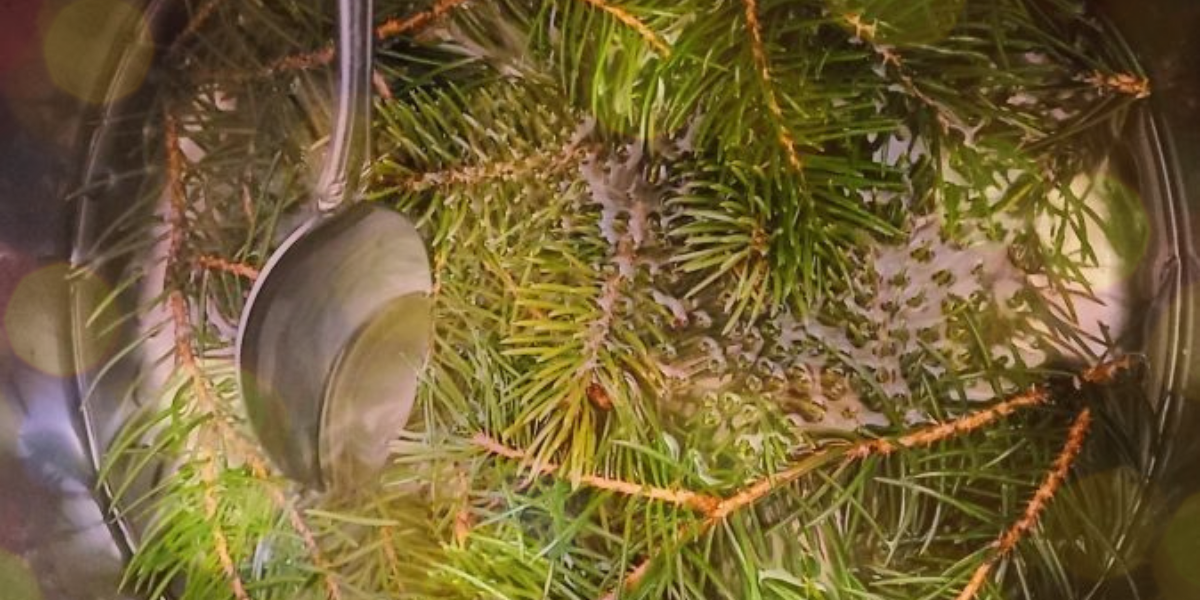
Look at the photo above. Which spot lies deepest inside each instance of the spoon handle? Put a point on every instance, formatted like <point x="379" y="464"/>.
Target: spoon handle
<point x="349" y="143"/>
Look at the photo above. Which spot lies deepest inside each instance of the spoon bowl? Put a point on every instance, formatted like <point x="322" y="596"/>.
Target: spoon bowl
<point x="332" y="341"/>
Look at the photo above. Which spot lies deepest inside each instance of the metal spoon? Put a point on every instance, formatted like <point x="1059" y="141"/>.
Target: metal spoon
<point x="336" y="328"/>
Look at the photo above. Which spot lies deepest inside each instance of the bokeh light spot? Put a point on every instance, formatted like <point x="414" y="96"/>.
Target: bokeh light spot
<point x="1177" y="560"/>
<point x="17" y="581"/>
<point x="37" y="326"/>
<point x="18" y="32"/>
<point x="98" y="50"/>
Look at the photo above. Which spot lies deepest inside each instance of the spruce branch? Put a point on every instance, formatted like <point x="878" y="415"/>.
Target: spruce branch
<point x="758" y="48"/>
<point x="924" y="437"/>
<point x="186" y="358"/>
<point x="389" y="550"/>
<point x="328" y="576"/>
<point x="178" y="305"/>
<point x="559" y="333"/>
<point x="389" y="29"/>
<point x="631" y="21"/>
<point x="1123" y="83"/>
<point x="1008" y="540"/>
<point x="540" y="164"/>
<point x="194" y="25"/>
<point x="220" y="542"/>
<point x="177" y="219"/>
<point x="298" y="62"/>
<point x="400" y="26"/>
<point x="697" y="501"/>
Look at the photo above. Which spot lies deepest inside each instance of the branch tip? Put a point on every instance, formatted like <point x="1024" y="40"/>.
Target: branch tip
<point x="758" y="49"/>
<point x="1007" y="542"/>
<point x="632" y="22"/>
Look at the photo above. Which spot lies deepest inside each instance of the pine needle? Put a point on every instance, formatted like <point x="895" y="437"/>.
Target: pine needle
<point x="1007" y="542"/>
<point x="758" y="48"/>
<point x="623" y="16"/>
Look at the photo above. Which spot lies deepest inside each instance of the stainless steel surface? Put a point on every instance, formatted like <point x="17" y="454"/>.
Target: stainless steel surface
<point x="323" y="404"/>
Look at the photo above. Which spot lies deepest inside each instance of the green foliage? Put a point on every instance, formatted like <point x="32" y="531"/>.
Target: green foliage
<point x="636" y="281"/>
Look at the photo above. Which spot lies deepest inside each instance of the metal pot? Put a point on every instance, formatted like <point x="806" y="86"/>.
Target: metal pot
<point x="53" y="529"/>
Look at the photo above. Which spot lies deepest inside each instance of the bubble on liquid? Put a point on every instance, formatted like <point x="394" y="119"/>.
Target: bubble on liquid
<point x="754" y="384"/>
<point x="729" y="402"/>
<point x="800" y="375"/>
<point x="750" y="445"/>
<point x="98" y="50"/>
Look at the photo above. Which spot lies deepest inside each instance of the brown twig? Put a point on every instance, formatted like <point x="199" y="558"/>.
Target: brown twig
<point x="216" y="263"/>
<point x="697" y="501"/>
<point x="389" y="29"/>
<point x="632" y="578"/>
<point x="542" y="163"/>
<point x="882" y="447"/>
<point x="394" y="27"/>
<point x="220" y="542"/>
<point x="380" y="85"/>
<point x="176" y="219"/>
<point x="1124" y="83"/>
<point x="632" y="22"/>
<point x="1108" y="371"/>
<point x="186" y="358"/>
<point x="389" y="550"/>
<point x="760" y="489"/>
<point x="758" y="49"/>
<point x="1007" y="542"/>
<point x="299" y="62"/>
<point x="463" y="522"/>
<point x="862" y="30"/>
<point x="333" y="592"/>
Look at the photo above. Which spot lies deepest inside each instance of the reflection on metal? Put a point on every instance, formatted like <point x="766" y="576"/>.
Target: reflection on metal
<point x="332" y="342"/>
<point x="98" y="50"/>
<point x="55" y="542"/>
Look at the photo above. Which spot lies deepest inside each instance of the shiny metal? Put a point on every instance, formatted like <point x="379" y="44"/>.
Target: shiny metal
<point x="332" y="343"/>
<point x="336" y="329"/>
